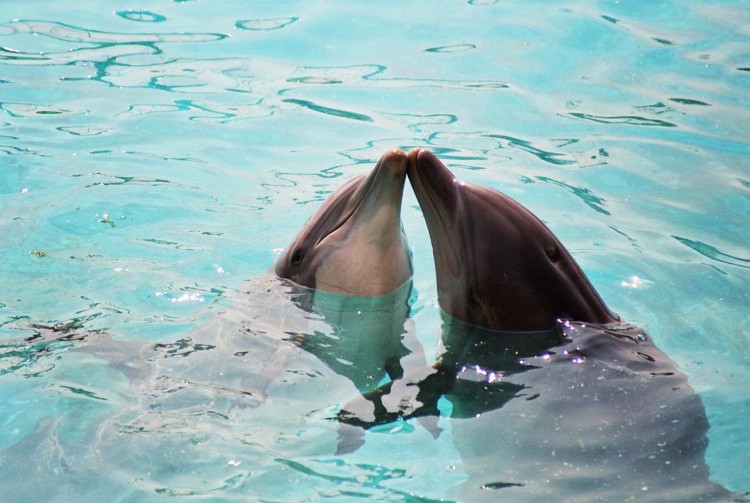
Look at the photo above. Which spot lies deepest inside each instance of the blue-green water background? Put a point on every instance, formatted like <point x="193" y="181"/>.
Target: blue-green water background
<point x="154" y="158"/>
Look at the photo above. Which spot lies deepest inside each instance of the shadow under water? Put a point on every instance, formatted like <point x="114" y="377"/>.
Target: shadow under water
<point x="595" y="413"/>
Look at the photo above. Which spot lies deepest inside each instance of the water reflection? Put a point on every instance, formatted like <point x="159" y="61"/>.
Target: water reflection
<point x="365" y="342"/>
<point x="531" y="412"/>
<point x="475" y="372"/>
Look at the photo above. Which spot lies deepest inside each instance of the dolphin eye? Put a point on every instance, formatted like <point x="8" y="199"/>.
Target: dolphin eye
<point x="296" y="256"/>
<point x="552" y="253"/>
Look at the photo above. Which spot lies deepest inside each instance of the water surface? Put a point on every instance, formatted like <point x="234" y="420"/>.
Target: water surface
<point x="154" y="160"/>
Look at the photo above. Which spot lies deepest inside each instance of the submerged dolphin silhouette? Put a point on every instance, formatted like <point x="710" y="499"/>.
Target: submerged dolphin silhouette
<point x="498" y="266"/>
<point x="354" y="244"/>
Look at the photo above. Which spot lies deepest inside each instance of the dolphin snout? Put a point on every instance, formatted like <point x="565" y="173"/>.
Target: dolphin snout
<point x="428" y="175"/>
<point x="421" y="160"/>
<point x="396" y="162"/>
<point x="413" y="158"/>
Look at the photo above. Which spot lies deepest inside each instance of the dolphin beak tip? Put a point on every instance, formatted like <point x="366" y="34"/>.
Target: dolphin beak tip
<point x="421" y="159"/>
<point x="413" y="159"/>
<point x="396" y="161"/>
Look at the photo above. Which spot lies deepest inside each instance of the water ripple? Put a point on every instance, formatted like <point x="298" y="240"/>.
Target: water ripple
<point x="592" y="200"/>
<point x="452" y="48"/>
<point x="14" y="55"/>
<point x="713" y="253"/>
<point x="32" y="110"/>
<point x="688" y="101"/>
<point x="68" y="33"/>
<point x="118" y="58"/>
<point x="416" y="121"/>
<point x="638" y="30"/>
<point x="526" y="146"/>
<point x="207" y="112"/>
<point x="84" y="130"/>
<point x="141" y="16"/>
<point x="232" y="483"/>
<point x="81" y="392"/>
<point x="183" y="347"/>
<point x="177" y="75"/>
<point x="632" y="120"/>
<point x="39" y="353"/>
<point x="265" y="24"/>
<point x="376" y="74"/>
<point x="99" y="53"/>
<point x="104" y="179"/>
<point x="329" y="111"/>
<point x="355" y="479"/>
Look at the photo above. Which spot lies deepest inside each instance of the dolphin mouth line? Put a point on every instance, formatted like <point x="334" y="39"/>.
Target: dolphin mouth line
<point x="365" y="193"/>
<point x="452" y="253"/>
<point x="453" y="260"/>
<point x="343" y="220"/>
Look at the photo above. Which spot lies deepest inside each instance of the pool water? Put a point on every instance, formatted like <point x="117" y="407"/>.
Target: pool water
<point x="154" y="162"/>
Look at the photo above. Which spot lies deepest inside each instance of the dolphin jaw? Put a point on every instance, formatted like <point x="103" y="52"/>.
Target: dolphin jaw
<point x="355" y="232"/>
<point x="423" y="163"/>
<point x="377" y="201"/>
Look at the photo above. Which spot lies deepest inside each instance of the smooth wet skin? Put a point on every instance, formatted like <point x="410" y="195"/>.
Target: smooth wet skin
<point x="354" y="244"/>
<point x="498" y="266"/>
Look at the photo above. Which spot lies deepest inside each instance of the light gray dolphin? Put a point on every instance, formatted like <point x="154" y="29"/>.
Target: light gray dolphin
<point x="354" y="262"/>
<point x="498" y="266"/>
<point x="354" y="244"/>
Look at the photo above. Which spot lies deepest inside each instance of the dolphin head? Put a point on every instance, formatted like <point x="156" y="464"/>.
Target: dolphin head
<point x="354" y="244"/>
<point x="498" y="266"/>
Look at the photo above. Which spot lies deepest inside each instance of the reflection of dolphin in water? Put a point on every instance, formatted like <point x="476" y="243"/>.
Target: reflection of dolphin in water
<point x="363" y="338"/>
<point x="586" y="410"/>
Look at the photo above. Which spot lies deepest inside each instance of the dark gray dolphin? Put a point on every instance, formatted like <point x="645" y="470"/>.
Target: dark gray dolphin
<point x="585" y="410"/>
<point x="498" y="266"/>
<point x="354" y="244"/>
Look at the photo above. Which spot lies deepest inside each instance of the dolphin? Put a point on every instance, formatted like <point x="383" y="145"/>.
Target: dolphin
<point x="498" y="266"/>
<point x="353" y="264"/>
<point x="550" y="393"/>
<point x="354" y="244"/>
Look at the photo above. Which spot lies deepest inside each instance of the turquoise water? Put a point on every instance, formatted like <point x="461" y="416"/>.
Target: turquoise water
<point x="154" y="162"/>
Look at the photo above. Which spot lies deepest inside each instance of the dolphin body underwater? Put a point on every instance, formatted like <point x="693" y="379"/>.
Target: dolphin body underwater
<point x="550" y="394"/>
